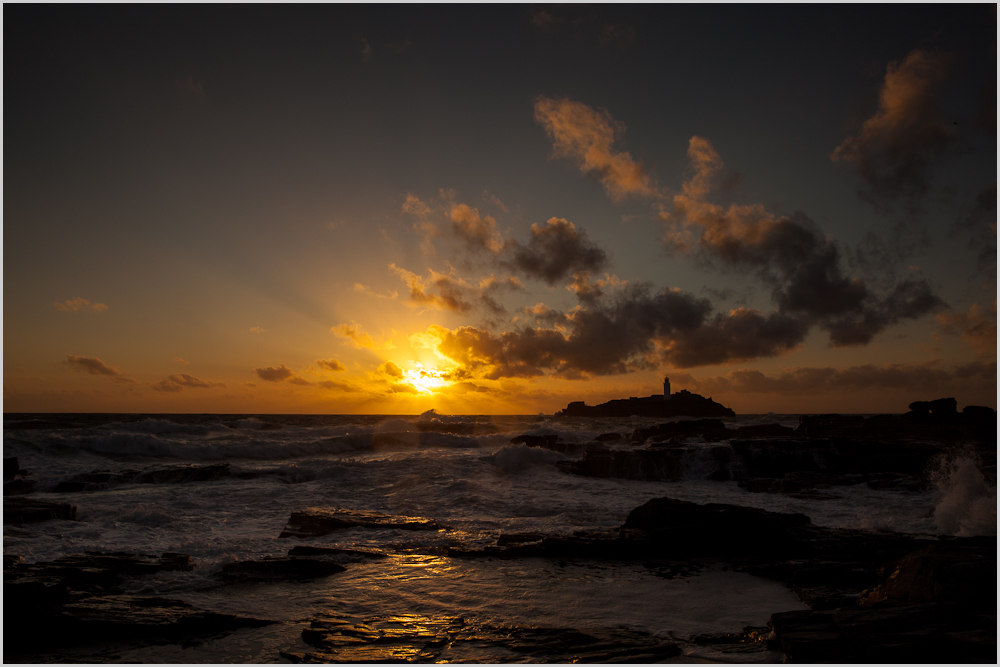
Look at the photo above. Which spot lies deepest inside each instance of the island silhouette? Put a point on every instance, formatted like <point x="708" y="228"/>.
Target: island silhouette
<point x="680" y="404"/>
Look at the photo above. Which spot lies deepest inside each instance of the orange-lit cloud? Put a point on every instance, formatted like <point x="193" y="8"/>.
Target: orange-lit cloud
<point x="893" y="150"/>
<point x="391" y="369"/>
<point x="257" y="330"/>
<point x="979" y="330"/>
<point x="451" y="290"/>
<point x="364" y="289"/>
<point x="95" y="366"/>
<point x="587" y="136"/>
<point x="479" y="233"/>
<point x="175" y="383"/>
<point x="801" y="265"/>
<point x="178" y="360"/>
<point x="353" y="333"/>
<point x="330" y="365"/>
<point x="80" y="303"/>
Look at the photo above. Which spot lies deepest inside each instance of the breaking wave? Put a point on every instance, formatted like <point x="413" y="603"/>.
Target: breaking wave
<point x="968" y="505"/>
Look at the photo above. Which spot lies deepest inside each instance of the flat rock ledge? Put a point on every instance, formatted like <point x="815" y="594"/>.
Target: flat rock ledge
<point x="79" y="600"/>
<point x="19" y="510"/>
<point x="413" y="638"/>
<point x="874" y="597"/>
<point x="280" y="567"/>
<point x="316" y="521"/>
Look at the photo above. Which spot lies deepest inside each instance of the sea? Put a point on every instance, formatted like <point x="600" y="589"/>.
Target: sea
<point x="461" y="471"/>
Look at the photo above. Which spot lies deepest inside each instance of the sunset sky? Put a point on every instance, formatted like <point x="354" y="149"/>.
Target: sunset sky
<point x="382" y="209"/>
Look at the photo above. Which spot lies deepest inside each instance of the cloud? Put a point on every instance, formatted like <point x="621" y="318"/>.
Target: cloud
<point x="894" y="149"/>
<point x="414" y="206"/>
<point x="543" y="19"/>
<point x="589" y="292"/>
<point x="354" y="334"/>
<point x="178" y="360"/>
<point x="637" y="330"/>
<point x="338" y="386"/>
<point x="174" y="383"/>
<point x="586" y="136"/>
<point x="364" y="289"/>
<point x="257" y="330"/>
<point x="95" y="366"/>
<point x="979" y="330"/>
<point x="330" y="365"/>
<point x="619" y="36"/>
<point x="391" y="369"/>
<point x="492" y="199"/>
<point x="555" y="251"/>
<point x="279" y="374"/>
<point x="789" y="253"/>
<point x="451" y="290"/>
<point x="366" y="49"/>
<point x="80" y="304"/>
<point x="479" y="233"/>
<point x="919" y="379"/>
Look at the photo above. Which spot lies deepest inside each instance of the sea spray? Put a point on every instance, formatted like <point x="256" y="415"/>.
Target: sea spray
<point x="968" y="504"/>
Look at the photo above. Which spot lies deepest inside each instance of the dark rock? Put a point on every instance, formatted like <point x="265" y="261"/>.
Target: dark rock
<point x="763" y="431"/>
<point x="317" y="521"/>
<point x="18" y="511"/>
<point x="655" y="463"/>
<point x="916" y="634"/>
<point x="306" y="550"/>
<point x="115" y="618"/>
<point x="18" y="487"/>
<point x="956" y="570"/>
<point x="818" y="426"/>
<point x="545" y="441"/>
<point x="706" y="428"/>
<point x="609" y="437"/>
<point x="940" y="408"/>
<point x="280" y="567"/>
<point x="10" y="467"/>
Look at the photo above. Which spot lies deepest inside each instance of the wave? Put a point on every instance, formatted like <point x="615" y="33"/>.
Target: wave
<point x="968" y="504"/>
<point x="516" y="458"/>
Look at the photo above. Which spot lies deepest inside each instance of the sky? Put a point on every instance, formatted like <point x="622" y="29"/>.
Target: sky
<point x="498" y="210"/>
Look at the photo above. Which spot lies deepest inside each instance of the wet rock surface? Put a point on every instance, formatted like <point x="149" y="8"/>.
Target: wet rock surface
<point x="19" y="510"/>
<point x="336" y="552"/>
<point x="413" y="638"/>
<point x="79" y="599"/>
<point x="317" y="521"/>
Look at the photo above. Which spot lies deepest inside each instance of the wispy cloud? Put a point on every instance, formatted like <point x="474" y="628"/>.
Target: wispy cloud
<point x="95" y="366"/>
<point x="587" y="136"/>
<point x="257" y="330"/>
<point x="79" y="303"/>
<point x="977" y="328"/>
<point x="178" y="360"/>
<point x="330" y="365"/>
<point x="181" y="381"/>
<point x="353" y="333"/>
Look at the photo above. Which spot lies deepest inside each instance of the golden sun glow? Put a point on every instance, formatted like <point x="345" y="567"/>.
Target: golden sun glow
<point x="425" y="380"/>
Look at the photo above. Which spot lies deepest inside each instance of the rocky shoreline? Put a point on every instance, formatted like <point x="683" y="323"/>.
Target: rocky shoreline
<point x="871" y="596"/>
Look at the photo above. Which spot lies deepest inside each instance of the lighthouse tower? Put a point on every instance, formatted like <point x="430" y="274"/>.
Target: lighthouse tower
<point x="666" y="389"/>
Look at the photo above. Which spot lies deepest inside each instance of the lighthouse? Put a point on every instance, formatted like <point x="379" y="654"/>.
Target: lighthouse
<point x="666" y="388"/>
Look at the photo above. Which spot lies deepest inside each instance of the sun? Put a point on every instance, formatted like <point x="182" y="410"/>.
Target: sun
<point x="425" y="380"/>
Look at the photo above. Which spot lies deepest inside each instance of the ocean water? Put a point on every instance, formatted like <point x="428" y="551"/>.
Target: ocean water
<point x="471" y="480"/>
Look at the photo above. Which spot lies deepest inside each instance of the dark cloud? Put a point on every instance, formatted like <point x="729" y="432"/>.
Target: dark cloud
<point x="894" y="150"/>
<point x="791" y="255"/>
<point x="330" y="365"/>
<point x="174" y="383"/>
<point x="555" y="251"/>
<point x="279" y="374"/>
<point x="636" y="330"/>
<point x="95" y="366"/>
<point x="978" y="328"/>
<point x="917" y="379"/>
<point x="337" y="386"/>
